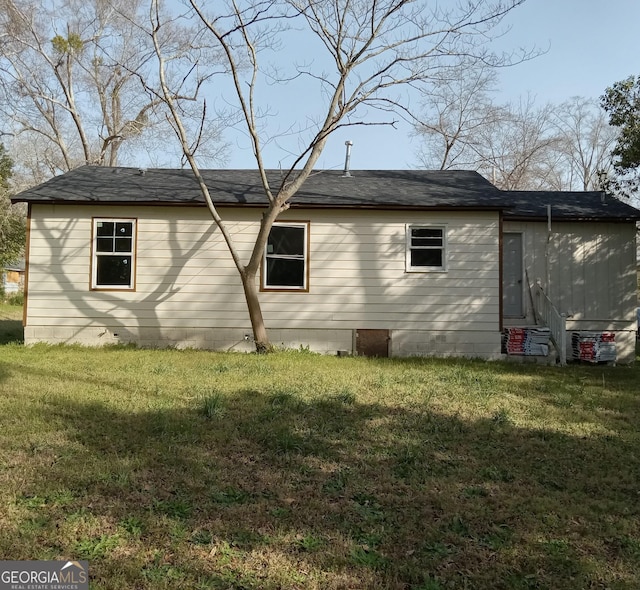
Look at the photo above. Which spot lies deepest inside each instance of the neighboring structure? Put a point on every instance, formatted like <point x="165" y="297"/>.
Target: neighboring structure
<point x="13" y="278"/>
<point x="377" y="262"/>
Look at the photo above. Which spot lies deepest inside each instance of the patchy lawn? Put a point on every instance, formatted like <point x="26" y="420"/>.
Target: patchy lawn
<point x="185" y="469"/>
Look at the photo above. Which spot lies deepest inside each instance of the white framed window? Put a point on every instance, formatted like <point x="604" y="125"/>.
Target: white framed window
<point x="113" y="259"/>
<point x="426" y="248"/>
<point x="285" y="264"/>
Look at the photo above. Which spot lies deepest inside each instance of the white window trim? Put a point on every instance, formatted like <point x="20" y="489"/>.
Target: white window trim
<point x="95" y="254"/>
<point x="444" y="248"/>
<point x="305" y="257"/>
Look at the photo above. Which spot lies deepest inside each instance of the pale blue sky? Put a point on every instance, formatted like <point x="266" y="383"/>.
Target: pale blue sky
<point x="591" y="44"/>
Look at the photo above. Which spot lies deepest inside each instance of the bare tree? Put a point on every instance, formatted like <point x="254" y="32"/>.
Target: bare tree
<point x="456" y="107"/>
<point x="557" y="147"/>
<point x="518" y="145"/>
<point x="583" y="150"/>
<point x="514" y="150"/>
<point x="69" y="80"/>
<point x="368" y="53"/>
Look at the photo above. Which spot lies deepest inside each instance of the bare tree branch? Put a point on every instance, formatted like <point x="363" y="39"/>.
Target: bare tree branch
<point x="70" y="69"/>
<point x="369" y="54"/>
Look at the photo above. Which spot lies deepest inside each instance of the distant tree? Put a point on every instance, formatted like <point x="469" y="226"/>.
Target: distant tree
<point x="12" y="222"/>
<point x="581" y="156"/>
<point x="622" y="103"/>
<point x="519" y="145"/>
<point x="512" y="151"/>
<point x="70" y="82"/>
<point x="462" y="128"/>
<point x="456" y="107"/>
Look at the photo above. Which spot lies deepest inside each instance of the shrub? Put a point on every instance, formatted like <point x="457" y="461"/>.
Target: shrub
<point x="15" y="299"/>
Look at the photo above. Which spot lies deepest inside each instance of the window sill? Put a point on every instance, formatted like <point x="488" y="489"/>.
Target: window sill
<point x="426" y="270"/>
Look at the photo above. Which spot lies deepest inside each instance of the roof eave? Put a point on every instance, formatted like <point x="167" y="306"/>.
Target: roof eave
<point x="592" y="218"/>
<point x="294" y="205"/>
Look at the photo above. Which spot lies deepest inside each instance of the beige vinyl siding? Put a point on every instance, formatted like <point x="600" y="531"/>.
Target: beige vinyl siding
<point x="185" y="277"/>
<point x="358" y="277"/>
<point x="590" y="267"/>
<point x="589" y="271"/>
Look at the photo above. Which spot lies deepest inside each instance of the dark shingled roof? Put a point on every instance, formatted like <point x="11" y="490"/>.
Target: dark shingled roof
<point x="568" y="205"/>
<point x="373" y="189"/>
<point x="326" y="188"/>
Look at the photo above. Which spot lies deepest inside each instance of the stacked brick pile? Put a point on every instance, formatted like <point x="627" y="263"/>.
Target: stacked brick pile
<point x="526" y="341"/>
<point x="594" y="347"/>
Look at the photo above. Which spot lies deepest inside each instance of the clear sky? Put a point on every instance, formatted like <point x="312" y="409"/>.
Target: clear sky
<point x="589" y="45"/>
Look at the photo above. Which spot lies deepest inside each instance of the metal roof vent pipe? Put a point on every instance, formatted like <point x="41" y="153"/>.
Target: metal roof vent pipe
<point x="347" y="158"/>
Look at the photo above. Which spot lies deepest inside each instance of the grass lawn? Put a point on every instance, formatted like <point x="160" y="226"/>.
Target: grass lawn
<point x="186" y="469"/>
<point x="10" y="323"/>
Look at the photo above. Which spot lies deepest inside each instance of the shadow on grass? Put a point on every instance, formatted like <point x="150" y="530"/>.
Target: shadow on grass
<point x="11" y="331"/>
<point x="349" y="495"/>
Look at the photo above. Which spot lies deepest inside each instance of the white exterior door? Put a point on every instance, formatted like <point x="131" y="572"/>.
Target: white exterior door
<point x="512" y="291"/>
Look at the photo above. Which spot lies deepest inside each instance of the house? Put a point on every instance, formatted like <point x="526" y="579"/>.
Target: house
<point x="13" y="277"/>
<point x="401" y="262"/>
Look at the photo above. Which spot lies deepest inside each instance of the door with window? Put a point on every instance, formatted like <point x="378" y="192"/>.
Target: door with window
<point x="512" y="279"/>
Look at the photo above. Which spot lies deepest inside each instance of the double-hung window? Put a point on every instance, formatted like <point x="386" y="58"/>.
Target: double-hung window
<point x="426" y="248"/>
<point x="285" y="264"/>
<point x="113" y="260"/>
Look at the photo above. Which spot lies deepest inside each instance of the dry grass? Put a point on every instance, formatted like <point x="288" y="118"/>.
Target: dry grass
<point x="169" y="469"/>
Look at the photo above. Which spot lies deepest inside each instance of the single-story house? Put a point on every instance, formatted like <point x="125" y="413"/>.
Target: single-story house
<point x="399" y="262"/>
<point x="13" y="277"/>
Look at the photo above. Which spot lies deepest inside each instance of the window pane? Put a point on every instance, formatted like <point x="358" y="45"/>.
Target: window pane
<point x="113" y="270"/>
<point x="286" y="240"/>
<point x="425" y="236"/>
<point x="285" y="272"/>
<point x="426" y="232"/>
<point x="428" y="242"/>
<point x="124" y="228"/>
<point x="123" y="244"/>
<point x="426" y="258"/>
<point x="105" y="228"/>
<point x="104" y="244"/>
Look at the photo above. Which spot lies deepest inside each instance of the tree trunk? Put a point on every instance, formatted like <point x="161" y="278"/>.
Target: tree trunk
<point x="260" y="336"/>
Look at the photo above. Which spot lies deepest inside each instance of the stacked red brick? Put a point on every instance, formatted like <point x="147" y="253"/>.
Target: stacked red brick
<point x="594" y="347"/>
<point x="526" y="341"/>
